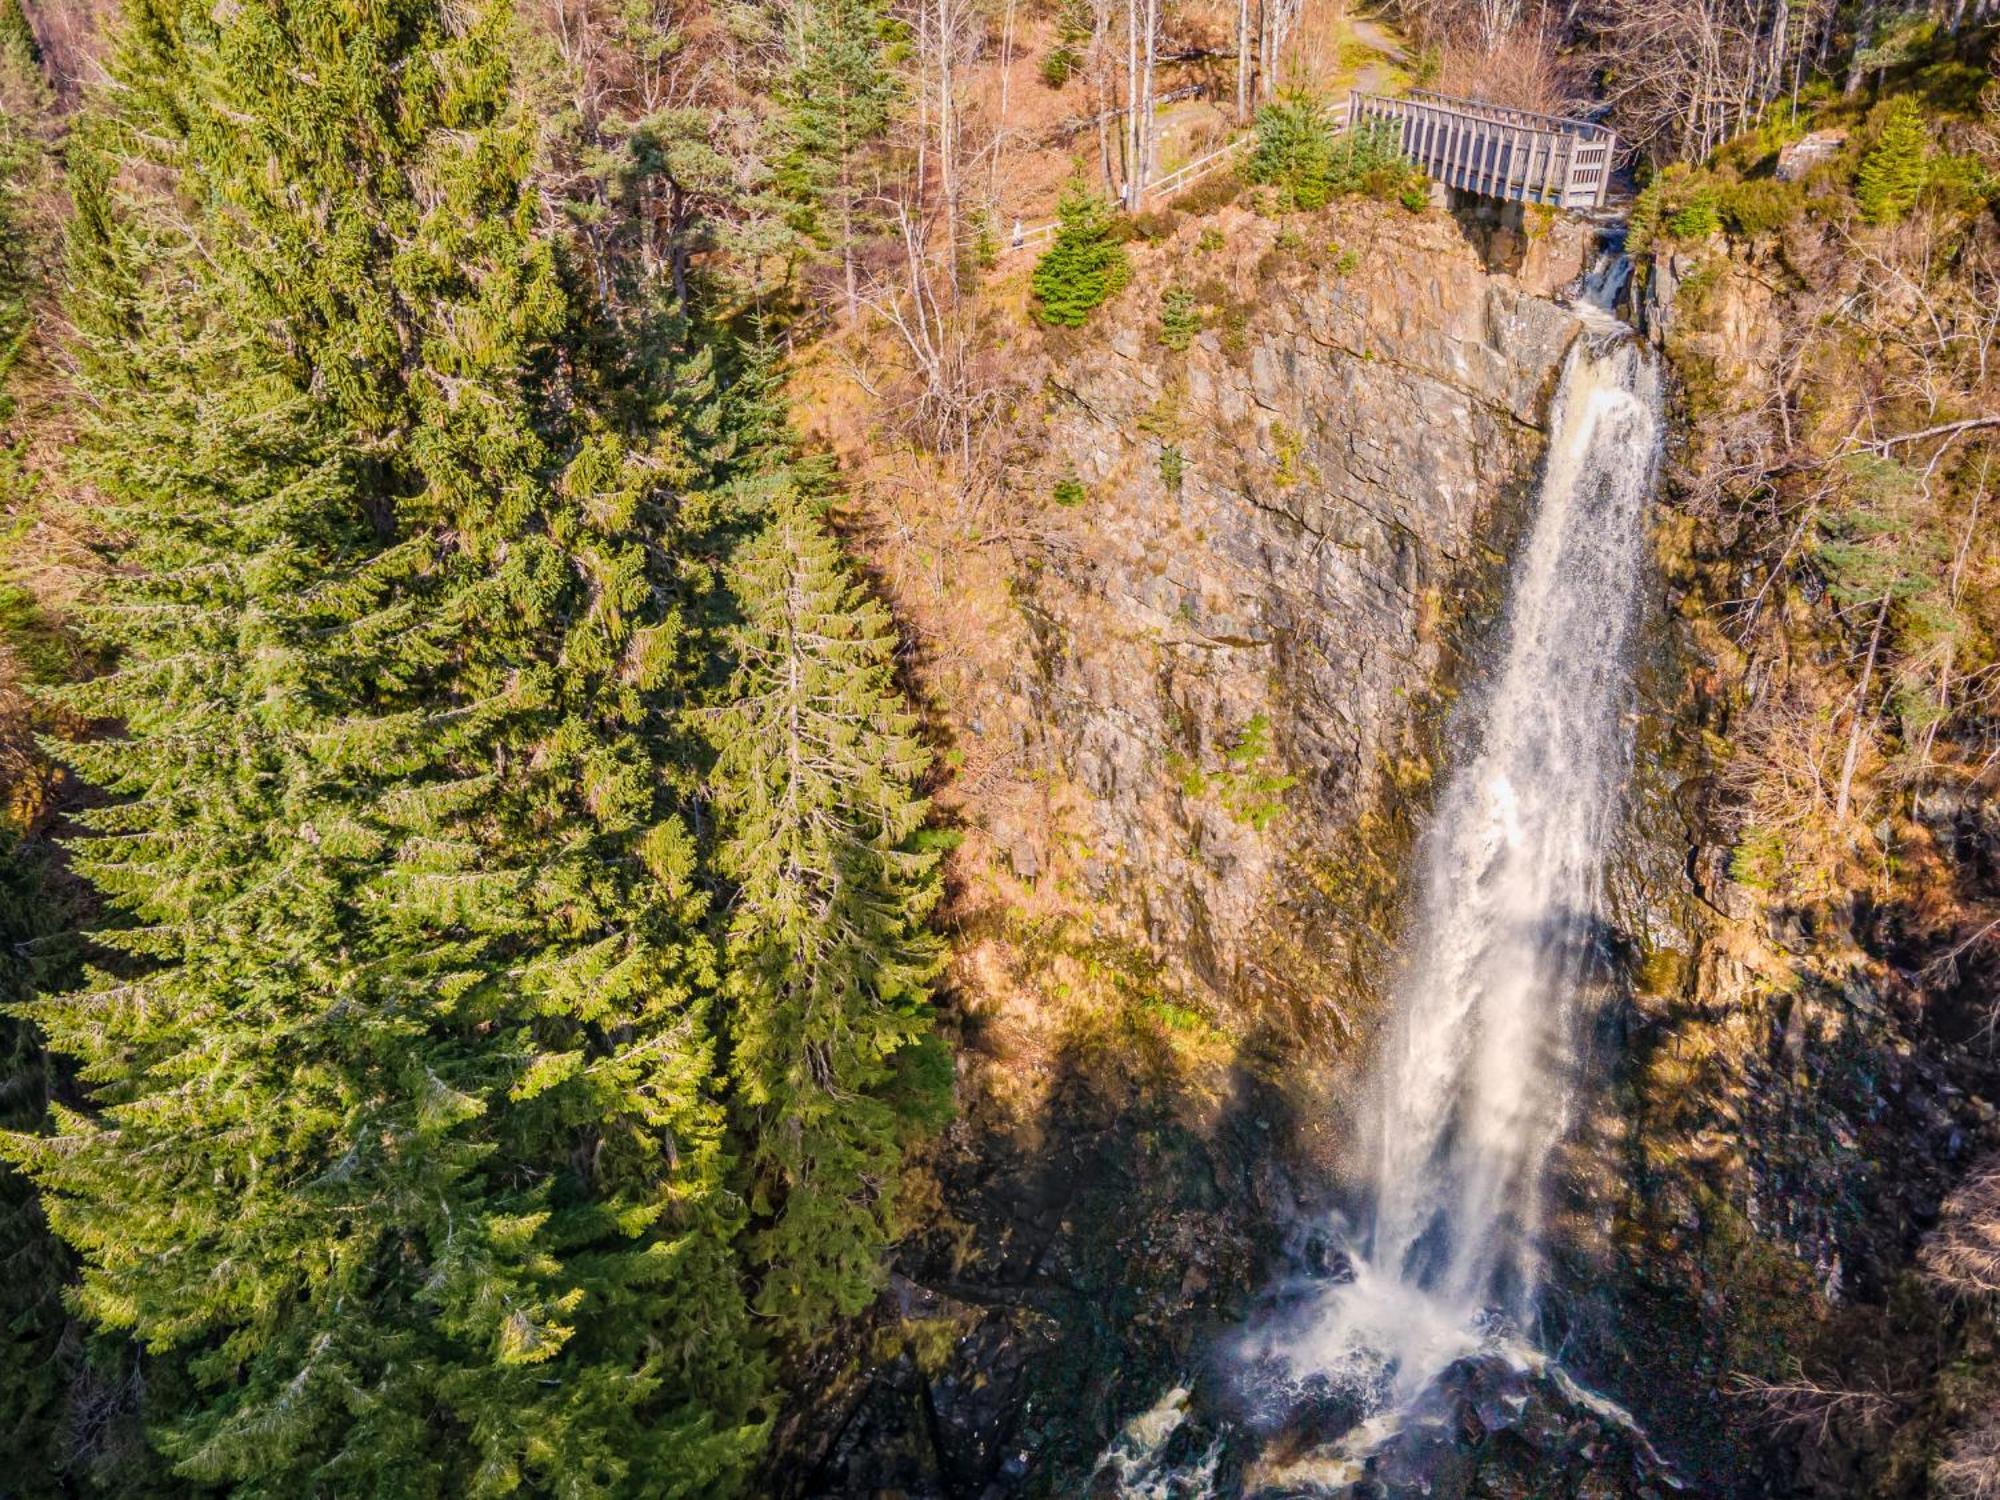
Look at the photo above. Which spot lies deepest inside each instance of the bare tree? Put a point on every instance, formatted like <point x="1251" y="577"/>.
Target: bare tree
<point x="1684" y="76"/>
<point x="1812" y="1409"/>
<point x="1961" y="1257"/>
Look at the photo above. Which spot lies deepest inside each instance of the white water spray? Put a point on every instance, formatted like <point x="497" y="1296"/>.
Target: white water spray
<point x="1471" y="1092"/>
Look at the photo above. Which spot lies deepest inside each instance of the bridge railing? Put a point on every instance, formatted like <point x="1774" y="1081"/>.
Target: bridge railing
<point x="1028" y="236"/>
<point x="1495" y="150"/>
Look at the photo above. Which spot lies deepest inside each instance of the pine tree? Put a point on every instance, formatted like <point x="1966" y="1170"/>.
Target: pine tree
<point x="829" y="960"/>
<point x="838" y="94"/>
<point x="1892" y="174"/>
<point x="34" y="1271"/>
<point x="402" y="1154"/>
<point x="1085" y="265"/>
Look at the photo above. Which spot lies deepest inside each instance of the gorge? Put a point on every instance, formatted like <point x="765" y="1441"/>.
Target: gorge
<point x="983" y="750"/>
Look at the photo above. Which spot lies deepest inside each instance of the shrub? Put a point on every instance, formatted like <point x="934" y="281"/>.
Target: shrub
<point x="1217" y="190"/>
<point x="1210" y="241"/>
<point x="1173" y="467"/>
<point x="1678" y="204"/>
<point x="1892" y="173"/>
<point x="1758" y="860"/>
<point x="1302" y="155"/>
<point x="1960" y="184"/>
<point x="1763" y="206"/>
<point x="1069" y="492"/>
<point x="1180" y="318"/>
<point x="1085" y="264"/>
<point x="1698" y="216"/>
<point x="1073" y="28"/>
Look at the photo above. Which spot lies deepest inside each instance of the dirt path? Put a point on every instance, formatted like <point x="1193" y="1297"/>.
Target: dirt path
<point x="1371" y="33"/>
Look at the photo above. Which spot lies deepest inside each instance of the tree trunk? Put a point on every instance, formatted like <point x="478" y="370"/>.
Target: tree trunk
<point x="1000" y="125"/>
<point x="1864" y="38"/>
<point x="1133" y="166"/>
<point x="948" y="149"/>
<point x="1146" y="122"/>
<point x="1242" y="62"/>
<point x="1840" y="801"/>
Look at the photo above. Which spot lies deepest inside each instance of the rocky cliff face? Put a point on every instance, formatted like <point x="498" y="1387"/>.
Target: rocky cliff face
<point x="1799" y="1077"/>
<point x="1193" y="702"/>
<point x="1245" y="611"/>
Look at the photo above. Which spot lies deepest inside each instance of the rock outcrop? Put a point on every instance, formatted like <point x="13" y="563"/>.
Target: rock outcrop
<point x="1250" y="602"/>
<point x="1240" y="577"/>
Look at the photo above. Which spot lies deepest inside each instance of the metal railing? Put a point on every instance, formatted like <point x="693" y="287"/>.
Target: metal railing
<point x="1468" y="144"/>
<point x="1494" y="150"/>
<point x="1181" y="177"/>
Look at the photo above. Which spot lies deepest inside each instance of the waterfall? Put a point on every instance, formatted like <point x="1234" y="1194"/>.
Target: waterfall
<point x="1471" y="1091"/>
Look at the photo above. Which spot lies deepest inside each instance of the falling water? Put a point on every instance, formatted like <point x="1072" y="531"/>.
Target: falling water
<point x="1471" y="1091"/>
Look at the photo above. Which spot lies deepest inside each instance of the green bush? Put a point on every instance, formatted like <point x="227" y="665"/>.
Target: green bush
<point x="1180" y="318"/>
<point x="1069" y="492"/>
<point x="1308" y="161"/>
<point x="1085" y="264"/>
<point x="1173" y="467"/>
<point x="1961" y="184"/>
<point x="1060" y="65"/>
<point x="1758" y="860"/>
<point x="1761" y="206"/>
<point x="1217" y="190"/>
<point x="1681" y="203"/>
<point x="1698" y="216"/>
<point x="1073" y="28"/>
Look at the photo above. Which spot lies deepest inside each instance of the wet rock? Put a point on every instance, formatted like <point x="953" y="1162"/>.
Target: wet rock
<point x="1345" y="457"/>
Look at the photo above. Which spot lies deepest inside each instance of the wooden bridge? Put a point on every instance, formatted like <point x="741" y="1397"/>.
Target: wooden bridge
<point x="1512" y="154"/>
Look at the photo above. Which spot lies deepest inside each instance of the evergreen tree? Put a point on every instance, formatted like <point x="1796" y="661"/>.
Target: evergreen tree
<point x="1295" y="149"/>
<point x="402" y="1155"/>
<point x="830" y="963"/>
<point x="1892" y="174"/>
<point x="837" y="95"/>
<point x="1085" y="265"/>
<point x="33" y="1268"/>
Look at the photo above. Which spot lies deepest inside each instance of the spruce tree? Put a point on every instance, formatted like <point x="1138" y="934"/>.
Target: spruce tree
<point x="1084" y="265"/>
<point x="402" y="1155"/>
<point x="837" y="95"/>
<point x="1892" y="174"/>
<point x="34" y="1271"/>
<point x="830" y="963"/>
